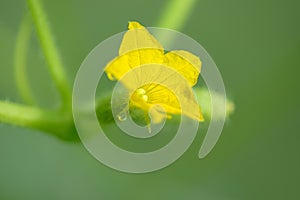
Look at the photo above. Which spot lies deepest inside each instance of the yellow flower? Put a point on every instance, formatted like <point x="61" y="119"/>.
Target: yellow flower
<point x="139" y="48"/>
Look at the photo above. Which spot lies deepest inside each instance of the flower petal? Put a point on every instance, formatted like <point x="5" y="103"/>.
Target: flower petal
<point x="160" y="95"/>
<point x="117" y="68"/>
<point x="185" y="63"/>
<point x="138" y="37"/>
<point x="161" y="76"/>
<point x="138" y="47"/>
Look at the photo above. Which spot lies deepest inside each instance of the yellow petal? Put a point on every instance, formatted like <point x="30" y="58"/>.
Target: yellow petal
<point x="153" y="94"/>
<point x="138" y="47"/>
<point x="119" y="66"/>
<point x="138" y="37"/>
<point x="116" y="68"/>
<point x="134" y="25"/>
<point x="144" y="56"/>
<point x="185" y="63"/>
<point x="160" y="95"/>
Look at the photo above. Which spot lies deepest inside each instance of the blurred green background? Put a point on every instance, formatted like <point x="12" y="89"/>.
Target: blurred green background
<point x="256" y="45"/>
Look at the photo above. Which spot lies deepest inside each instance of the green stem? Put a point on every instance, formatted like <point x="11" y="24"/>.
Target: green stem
<point x="20" y="59"/>
<point x="57" y="123"/>
<point x="50" y="51"/>
<point x="176" y="14"/>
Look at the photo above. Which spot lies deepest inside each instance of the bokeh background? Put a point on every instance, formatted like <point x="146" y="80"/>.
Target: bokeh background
<point x="256" y="46"/>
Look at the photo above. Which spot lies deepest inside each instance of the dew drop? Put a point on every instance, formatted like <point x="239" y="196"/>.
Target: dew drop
<point x="122" y="116"/>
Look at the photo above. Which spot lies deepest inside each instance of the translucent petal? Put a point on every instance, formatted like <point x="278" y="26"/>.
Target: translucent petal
<point x="138" y="37"/>
<point x="185" y="63"/>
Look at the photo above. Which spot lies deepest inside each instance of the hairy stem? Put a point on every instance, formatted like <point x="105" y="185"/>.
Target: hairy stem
<point x="50" y="51"/>
<point x="20" y="59"/>
<point x="57" y="123"/>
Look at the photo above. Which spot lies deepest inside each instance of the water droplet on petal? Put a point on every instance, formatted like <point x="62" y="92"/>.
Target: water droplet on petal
<point x="122" y="116"/>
